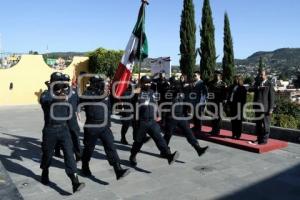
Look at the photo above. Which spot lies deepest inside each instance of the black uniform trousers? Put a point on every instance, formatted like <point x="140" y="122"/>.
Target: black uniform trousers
<point x="237" y="121"/>
<point x="125" y="126"/>
<point x="58" y="135"/>
<point x="198" y="111"/>
<point x="153" y="129"/>
<point x="236" y="126"/>
<point x="172" y="124"/>
<point x="216" y="121"/>
<point x="91" y="135"/>
<point x="74" y="132"/>
<point x="263" y="127"/>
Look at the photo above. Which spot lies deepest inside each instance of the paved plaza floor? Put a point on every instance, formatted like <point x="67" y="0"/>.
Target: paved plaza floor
<point x="222" y="173"/>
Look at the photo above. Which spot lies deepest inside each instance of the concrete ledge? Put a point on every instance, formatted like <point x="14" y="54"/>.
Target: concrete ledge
<point x="8" y="190"/>
<point x="285" y="134"/>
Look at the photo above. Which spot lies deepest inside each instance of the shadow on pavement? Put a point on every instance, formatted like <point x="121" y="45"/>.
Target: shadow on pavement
<point x="284" y="185"/>
<point x="24" y="148"/>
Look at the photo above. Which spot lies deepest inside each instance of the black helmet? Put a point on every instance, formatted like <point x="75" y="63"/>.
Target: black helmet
<point x="97" y="82"/>
<point x="96" y="79"/>
<point x="145" y="79"/>
<point x="66" y="77"/>
<point x="56" y="76"/>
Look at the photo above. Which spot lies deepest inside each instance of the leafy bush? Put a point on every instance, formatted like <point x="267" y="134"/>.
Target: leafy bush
<point x="284" y="106"/>
<point x="286" y="113"/>
<point x="285" y="121"/>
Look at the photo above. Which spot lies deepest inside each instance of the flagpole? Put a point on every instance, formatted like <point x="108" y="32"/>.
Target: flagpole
<point x="144" y="2"/>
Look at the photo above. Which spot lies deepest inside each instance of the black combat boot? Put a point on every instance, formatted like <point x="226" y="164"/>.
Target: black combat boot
<point x="45" y="177"/>
<point x="85" y="169"/>
<point x="120" y="172"/>
<point x="77" y="186"/>
<point x="134" y="151"/>
<point x="200" y="150"/>
<point x="165" y="155"/>
<point x="172" y="157"/>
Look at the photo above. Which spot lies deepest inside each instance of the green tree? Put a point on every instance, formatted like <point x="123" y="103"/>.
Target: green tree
<point x="261" y="67"/>
<point x="207" y="48"/>
<point x="188" y="39"/>
<point x="135" y="69"/>
<point x="103" y="61"/>
<point x="33" y="53"/>
<point x="228" y="59"/>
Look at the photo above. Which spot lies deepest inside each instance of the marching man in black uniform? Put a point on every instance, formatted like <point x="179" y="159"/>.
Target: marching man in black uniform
<point x="161" y="86"/>
<point x="146" y="116"/>
<point x="127" y="117"/>
<point x="56" y="130"/>
<point x="217" y="96"/>
<point x="72" y="123"/>
<point x="176" y="118"/>
<point x="97" y="126"/>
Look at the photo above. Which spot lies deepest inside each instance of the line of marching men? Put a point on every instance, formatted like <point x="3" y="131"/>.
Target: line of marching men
<point x="61" y="130"/>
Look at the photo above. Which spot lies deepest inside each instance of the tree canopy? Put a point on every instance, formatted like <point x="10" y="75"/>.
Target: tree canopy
<point x="103" y="61"/>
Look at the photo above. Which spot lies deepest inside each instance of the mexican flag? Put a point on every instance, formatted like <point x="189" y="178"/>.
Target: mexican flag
<point x="136" y="50"/>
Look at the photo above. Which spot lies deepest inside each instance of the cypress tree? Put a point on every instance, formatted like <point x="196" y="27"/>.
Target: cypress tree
<point x="188" y="39"/>
<point x="228" y="59"/>
<point x="261" y="64"/>
<point x="261" y="67"/>
<point x="207" y="48"/>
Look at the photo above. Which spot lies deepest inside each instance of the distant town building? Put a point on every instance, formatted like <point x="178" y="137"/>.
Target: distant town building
<point x="9" y="60"/>
<point x="292" y="94"/>
<point x="281" y="85"/>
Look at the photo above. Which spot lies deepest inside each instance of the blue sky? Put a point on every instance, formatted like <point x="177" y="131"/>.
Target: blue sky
<point x="77" y="25"/>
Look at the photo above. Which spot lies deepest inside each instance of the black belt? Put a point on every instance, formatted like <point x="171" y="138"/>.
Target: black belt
<point x="94" y="121"/>
<point x="56" y="125"/>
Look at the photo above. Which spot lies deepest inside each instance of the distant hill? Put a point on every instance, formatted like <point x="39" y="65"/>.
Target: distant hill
<point x="285" y="60"/>
<point x="66" y="54"/>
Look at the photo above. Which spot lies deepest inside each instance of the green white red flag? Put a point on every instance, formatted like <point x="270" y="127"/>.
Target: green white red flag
<point x="136" y="50"/>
